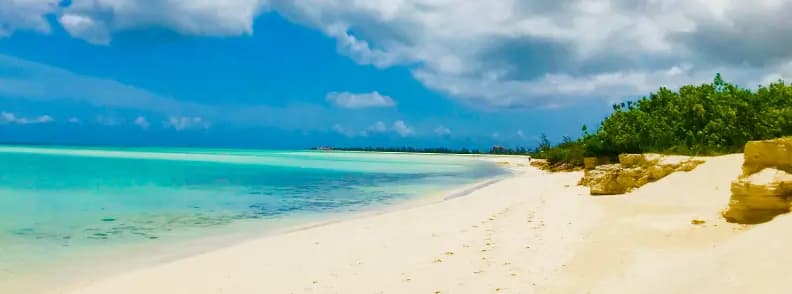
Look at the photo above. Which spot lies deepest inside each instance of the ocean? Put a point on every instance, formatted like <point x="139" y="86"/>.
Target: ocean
<point x="61" y="206"/>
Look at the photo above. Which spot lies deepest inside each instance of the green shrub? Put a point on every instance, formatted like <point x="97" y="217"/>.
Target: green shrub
<point x="707" y="119"/>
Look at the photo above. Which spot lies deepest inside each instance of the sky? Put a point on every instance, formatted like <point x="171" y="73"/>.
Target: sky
<point x="303" y="73"/>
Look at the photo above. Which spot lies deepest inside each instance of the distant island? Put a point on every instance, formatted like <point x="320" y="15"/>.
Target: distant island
<point x="497" y="149"/>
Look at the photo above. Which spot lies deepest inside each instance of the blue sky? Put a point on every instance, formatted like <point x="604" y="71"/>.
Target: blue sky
<point x="278" y="74"/>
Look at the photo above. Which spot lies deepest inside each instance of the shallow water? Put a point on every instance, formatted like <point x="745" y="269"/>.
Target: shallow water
<point x="63" y="203"/>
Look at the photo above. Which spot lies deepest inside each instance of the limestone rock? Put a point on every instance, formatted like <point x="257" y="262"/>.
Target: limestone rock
<point x="632" y="160"/>
<point x="760" y="197"/>
<point x="775" y="153"/>
<point x="764" y="190"/>
<point x="604" y="180"/>
<point x="657" y="172"/>
<point x="589" y="163"/>
<point x="544" y="165"/>
<point x="633" y="171"/>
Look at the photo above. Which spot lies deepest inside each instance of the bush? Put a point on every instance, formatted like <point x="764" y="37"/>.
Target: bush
<point x="707" y="119"/>
<point x="568" y="152"/>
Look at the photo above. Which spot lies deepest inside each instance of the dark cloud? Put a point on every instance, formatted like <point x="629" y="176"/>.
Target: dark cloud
<point x="753" y="37"/>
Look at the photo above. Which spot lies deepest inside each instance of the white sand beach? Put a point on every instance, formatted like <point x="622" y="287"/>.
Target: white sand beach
<point x="533" y="232"/>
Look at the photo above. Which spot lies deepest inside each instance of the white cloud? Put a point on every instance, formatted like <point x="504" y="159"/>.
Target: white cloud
<point x="85" y="28"/>
<point x="359" y="100"/>
<point x="341" y="130"/>
<point x="442" y="131"/>
<point x="514" y="53"/>
<point x="378" y="127"/>
<point x="402" y="129"/>
<point x="96" y="20"/>
<point x="338" y="128"/>
<point x="11" y="118"/>
<point x="142" y="122"/>
<point x="73" y="120"/>
<point x="29" y="15"/>
<point x="106" y="120"/>
<point x="398" y="127"/>
<point x="186" y="122"/>
<point x="507" y="53"/>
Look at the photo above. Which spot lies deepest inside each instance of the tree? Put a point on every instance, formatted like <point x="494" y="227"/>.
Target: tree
<point x="544" y="143"/>
<point x="713" y="118"/>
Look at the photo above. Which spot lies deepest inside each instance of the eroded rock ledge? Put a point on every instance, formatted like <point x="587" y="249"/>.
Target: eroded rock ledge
<point x="764" y="190"/>
<point x="632" y="171"/>
<point x="546" y="166"/>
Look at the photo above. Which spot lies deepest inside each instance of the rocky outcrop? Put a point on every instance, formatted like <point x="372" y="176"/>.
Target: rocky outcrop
<point x="540" y="164"/>
<point x="633" y="171"/>
<point x="775" y="153"/>
<point x="590" y="163"/>
<point x="764" y="190"/>
<point x="612" y="179"/>
<point x="546" y="166"/>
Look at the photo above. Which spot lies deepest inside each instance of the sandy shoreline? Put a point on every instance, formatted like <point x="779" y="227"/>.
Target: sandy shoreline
<point x="532" y="232"/>
<point x="101" y="263"/>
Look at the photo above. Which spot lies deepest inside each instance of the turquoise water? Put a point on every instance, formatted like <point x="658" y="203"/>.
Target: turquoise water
<point x="57" y="203"/>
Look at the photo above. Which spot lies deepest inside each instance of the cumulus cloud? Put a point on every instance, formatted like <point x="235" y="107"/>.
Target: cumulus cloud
<point x="338" y="128"/>
<point x="442" y="131"/>
<point x="516" y="54"/>
<point x="186" y="122"/>
<point x="398" y="127"/>
<point x="73" y="120"/>
<point x="27" y="15"/>
<point x="501" y="54"/>
<point x="11" y="118"/>
<point x="378" y="127"/>
<point x="85" y="28"/>
<point x="359" y="100"/>
<point x="96" y="20"/>
<point x="142" y="122"/>
<point x="106" y="120"/>
<point x="375" y="128"/>
<point x="401" y="128"/>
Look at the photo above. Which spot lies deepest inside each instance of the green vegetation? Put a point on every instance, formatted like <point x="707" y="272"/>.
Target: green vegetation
<point x="707" y="119"/>
<point x="568" y="152"/>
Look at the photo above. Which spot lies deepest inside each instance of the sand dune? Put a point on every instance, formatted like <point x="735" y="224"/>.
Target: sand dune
<point x="530" y="233"/>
